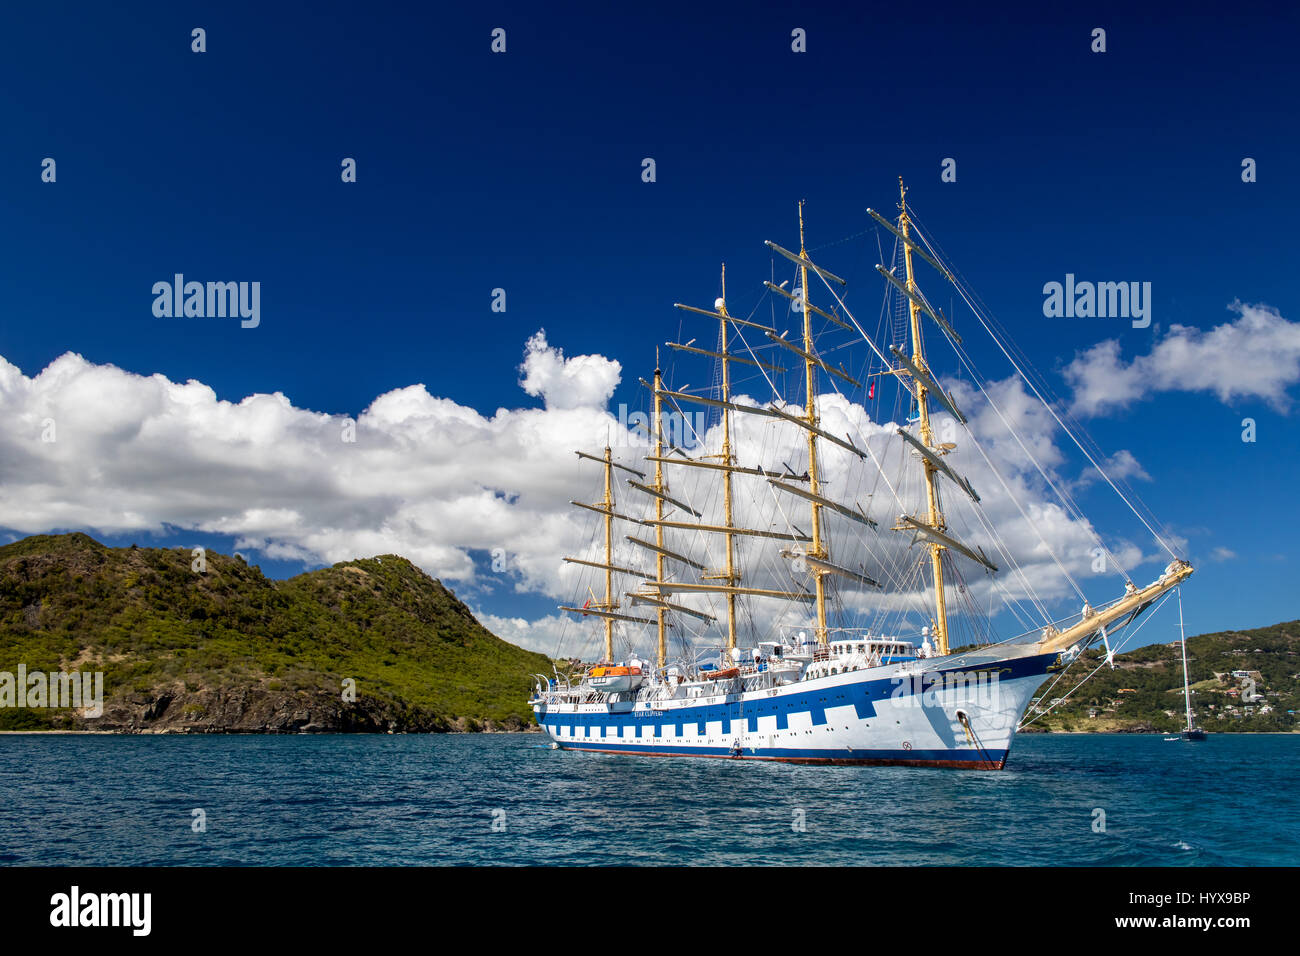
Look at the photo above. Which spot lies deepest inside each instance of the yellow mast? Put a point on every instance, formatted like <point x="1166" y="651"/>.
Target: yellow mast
<point x="609" y="553"/>
<point x="816" y="549"/>
<point x="935" y="518"/>
<point x="659" y="502"/>
<point x="729" y="574"/>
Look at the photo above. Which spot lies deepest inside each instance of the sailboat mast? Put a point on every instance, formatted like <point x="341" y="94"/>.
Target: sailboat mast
<point x="816" y="549"/>
<point x="659" y="502"/>
<point x="1182" y="633"/>
<point x="927" y="434"/>
<point x="609" y="553"/>
<point x="728" y="459"/>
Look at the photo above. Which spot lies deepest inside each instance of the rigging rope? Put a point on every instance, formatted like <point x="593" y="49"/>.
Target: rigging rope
<point x="1115" y="650"/>
<point x="961" y="289"/>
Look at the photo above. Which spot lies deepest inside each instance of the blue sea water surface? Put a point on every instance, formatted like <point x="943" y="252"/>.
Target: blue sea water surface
<point x="507" y="799"/>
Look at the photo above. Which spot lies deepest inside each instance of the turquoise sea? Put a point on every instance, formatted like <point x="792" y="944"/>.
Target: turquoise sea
<point x="507" y="799"/>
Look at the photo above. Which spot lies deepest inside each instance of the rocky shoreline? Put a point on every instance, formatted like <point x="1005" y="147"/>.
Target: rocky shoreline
<point x="257" y="710"/>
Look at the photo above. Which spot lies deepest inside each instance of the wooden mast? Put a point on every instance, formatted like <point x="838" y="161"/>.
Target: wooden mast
<point x="816" y="549"/>
<point x="935" y="517"/>
<point x="659" y="504"/>
<point x="609" y="554"/>
<point x="729" y="573"/>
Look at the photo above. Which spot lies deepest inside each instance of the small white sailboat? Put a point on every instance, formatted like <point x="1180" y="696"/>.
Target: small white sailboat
<point x="1192" y="732"/>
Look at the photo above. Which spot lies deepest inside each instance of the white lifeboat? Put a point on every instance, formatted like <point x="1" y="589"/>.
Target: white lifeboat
<point x="615" y="679"/>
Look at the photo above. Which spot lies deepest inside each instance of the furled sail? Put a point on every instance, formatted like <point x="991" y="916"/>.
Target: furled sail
<point x="937" y="461"/>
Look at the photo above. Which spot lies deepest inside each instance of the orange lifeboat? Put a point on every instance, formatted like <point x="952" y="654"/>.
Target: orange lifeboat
<point x="615" y="671"/>
<point x="614" y="678"/>
<point x="729" y="673"/>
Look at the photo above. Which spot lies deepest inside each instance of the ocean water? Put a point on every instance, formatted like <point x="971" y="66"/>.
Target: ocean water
<point x="507" y="799"/>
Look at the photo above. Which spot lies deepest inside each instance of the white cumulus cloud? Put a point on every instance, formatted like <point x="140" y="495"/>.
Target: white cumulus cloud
<point x="584" y="381"/>
<point x="440" y="483"/>
<point x="1256" y="355"/>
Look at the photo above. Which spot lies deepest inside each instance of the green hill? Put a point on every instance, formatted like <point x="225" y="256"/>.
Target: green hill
<point x="231" y="650"/>
<point x="1145" y="691"/>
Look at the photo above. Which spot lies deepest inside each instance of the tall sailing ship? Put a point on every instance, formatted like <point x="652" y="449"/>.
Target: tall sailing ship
<point x="789" y="555"/>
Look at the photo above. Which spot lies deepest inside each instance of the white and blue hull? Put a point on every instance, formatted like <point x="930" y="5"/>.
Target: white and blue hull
<point x="960" y="711"/>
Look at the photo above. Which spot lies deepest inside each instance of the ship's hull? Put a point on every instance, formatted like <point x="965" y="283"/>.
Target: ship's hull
<point x="959" y="712"/>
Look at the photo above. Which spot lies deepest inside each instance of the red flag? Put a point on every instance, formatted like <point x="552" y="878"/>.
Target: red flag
<point x="871" y="393"/>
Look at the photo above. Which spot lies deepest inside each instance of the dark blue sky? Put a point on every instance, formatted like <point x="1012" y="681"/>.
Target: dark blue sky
<point x="522" y="171"/>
